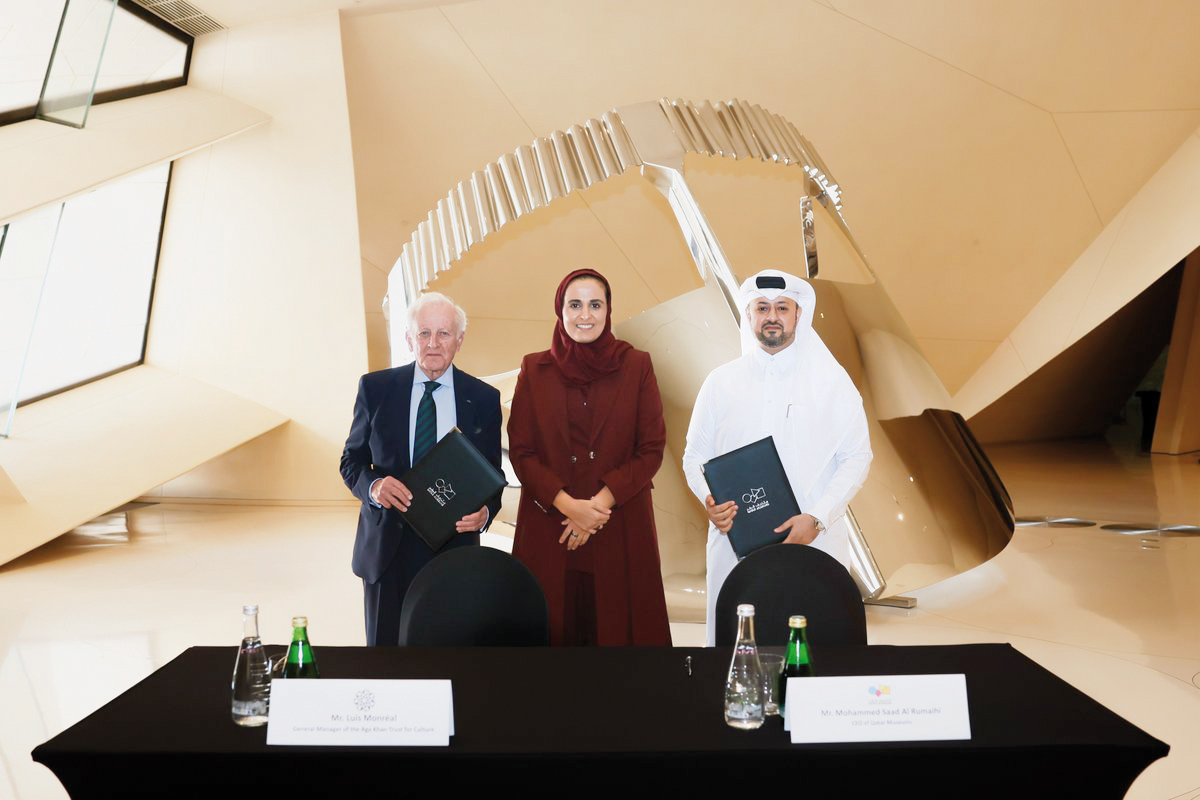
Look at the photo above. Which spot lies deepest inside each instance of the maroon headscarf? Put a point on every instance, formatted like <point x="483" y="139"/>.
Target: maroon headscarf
<point x="583" y="363"/>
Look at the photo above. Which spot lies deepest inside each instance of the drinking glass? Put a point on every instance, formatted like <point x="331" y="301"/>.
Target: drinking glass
<point x="772" y="669"/>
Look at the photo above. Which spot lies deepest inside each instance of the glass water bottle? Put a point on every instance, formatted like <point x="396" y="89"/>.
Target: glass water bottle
<point x="743" y="687"/>
<point x="251" y="685"/>
<point x="300" y="660"/>
<point x="798" y="660"/>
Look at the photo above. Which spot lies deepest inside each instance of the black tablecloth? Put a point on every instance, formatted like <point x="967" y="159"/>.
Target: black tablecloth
<point x="563" y="719"/>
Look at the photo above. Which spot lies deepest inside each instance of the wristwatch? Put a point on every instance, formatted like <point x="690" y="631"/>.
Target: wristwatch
<point x="820" y="525"/>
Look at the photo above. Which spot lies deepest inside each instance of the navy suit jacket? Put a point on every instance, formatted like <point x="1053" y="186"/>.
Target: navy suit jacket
<point x="378" y="446"/>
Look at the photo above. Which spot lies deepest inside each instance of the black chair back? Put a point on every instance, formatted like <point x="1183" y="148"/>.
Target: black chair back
<point x="786" y="579"/>
<point x="470" y="596"/>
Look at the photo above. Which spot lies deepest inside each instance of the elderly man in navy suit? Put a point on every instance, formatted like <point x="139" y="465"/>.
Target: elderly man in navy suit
<point x="398" y="415"/>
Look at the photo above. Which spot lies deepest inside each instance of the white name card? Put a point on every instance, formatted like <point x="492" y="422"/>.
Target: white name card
<point x="877" y="708"/>
<point x="361" y="712"/>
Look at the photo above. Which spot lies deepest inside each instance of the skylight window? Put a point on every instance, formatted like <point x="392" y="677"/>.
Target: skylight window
<point x="143" y="54"/>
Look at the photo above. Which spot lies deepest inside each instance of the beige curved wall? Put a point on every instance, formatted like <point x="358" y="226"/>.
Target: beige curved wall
<point x="982" y="153"/>
<point x="1148" y="236"/>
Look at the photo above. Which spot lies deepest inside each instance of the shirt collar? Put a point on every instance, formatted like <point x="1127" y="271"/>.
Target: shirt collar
<point x="420" y="378"/>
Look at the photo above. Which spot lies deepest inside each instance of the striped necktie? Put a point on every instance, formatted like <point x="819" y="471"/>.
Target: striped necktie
<point x="425" y="435"/>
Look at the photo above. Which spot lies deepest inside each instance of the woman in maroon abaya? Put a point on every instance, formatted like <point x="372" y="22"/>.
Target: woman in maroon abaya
<point x="586" y="435"/>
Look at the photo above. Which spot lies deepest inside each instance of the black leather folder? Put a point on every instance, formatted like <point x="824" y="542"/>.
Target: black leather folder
<point x="753" y="476"/>
<point x="452" y="480"/>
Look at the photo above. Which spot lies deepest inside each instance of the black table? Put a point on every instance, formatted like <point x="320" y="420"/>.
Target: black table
<point x="630" y="719"/>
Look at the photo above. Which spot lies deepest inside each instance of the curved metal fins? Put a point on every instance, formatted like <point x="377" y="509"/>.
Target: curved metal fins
<point x="610" y="165"/>
<point x="691" y="119"/>
<point x="406" y="274"/>
<point x="678" y="122"/>
<point x="729" y="122"/>
<point x="531" y="179"/>
<point x="742" y="120"/>
<point x="626" y="152"/>
<point x="483" y="204"/>
<point x="864" y="569"/>
<point x="572" y="175"/>
<point x="548" y="169"/>
<point x="588" y="160"/>
<point x="466" y="210"/>
<point x="786" y="148"/>
<point x="513" y="186"/>
<point x="762" y="127"/>
<point x="501" y="204"/>
<point x="446" y="229"/>
<point x="714" y="130"/>
<point x="437" y="254"/>
<point x="658" y="133"/>
<point x="809" y="236"/>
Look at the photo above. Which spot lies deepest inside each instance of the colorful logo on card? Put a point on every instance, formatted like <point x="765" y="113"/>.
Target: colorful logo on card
<point x="879" y="691"/>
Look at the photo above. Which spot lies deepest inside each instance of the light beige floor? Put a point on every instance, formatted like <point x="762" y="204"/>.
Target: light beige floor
<point x="1118" y="616"/>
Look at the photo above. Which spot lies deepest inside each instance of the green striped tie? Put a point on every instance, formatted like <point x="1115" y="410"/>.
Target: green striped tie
<point x="426" y="434"/>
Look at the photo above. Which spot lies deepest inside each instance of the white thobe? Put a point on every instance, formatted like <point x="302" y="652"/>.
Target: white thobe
<point x="806" y="402"/>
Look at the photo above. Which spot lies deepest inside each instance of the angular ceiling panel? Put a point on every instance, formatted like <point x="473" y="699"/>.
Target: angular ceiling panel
<point x="1115" y="151"/>
<point x="1049" y="326"/>
<point x="955" y="360"/>
<point x="1066" y="55"/>
<point x="424" y="113"/>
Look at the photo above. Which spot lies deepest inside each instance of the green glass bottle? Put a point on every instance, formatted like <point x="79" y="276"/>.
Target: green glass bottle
<point x="798" y="661"/>
<point x="300" y="660"/>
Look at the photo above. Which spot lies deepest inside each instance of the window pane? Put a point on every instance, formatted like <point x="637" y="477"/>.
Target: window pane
<point x="27" y="30"/>
<point x="139" y="53"/>
<point x="93" y="310"/>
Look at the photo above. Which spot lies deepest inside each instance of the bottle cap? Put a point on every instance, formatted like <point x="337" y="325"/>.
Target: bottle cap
<point x="745" y="610"/>
<point x="248" y="609"/>
<point x="299" y="622"/>
<point x="798" y="621"/>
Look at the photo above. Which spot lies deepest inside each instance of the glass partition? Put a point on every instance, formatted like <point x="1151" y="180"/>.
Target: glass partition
<point x="24" y="263"/>
<point x="75" y="64"/>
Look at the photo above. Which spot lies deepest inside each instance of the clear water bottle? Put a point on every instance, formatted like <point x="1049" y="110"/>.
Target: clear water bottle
<point x="251" y="685"/>
<point x="743" y="687"/>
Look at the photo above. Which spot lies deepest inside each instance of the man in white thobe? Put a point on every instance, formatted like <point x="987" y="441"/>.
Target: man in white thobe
<point x="786" y="385"/>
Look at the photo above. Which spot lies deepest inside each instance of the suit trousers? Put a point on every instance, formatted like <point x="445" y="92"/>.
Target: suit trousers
<point x="384" y="599"/>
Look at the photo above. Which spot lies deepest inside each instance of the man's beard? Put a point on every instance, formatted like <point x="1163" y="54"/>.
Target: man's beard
<point x="781" y="339"/>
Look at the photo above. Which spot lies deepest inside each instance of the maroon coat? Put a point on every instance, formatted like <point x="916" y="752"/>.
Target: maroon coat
<point x="628" y="437"/>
